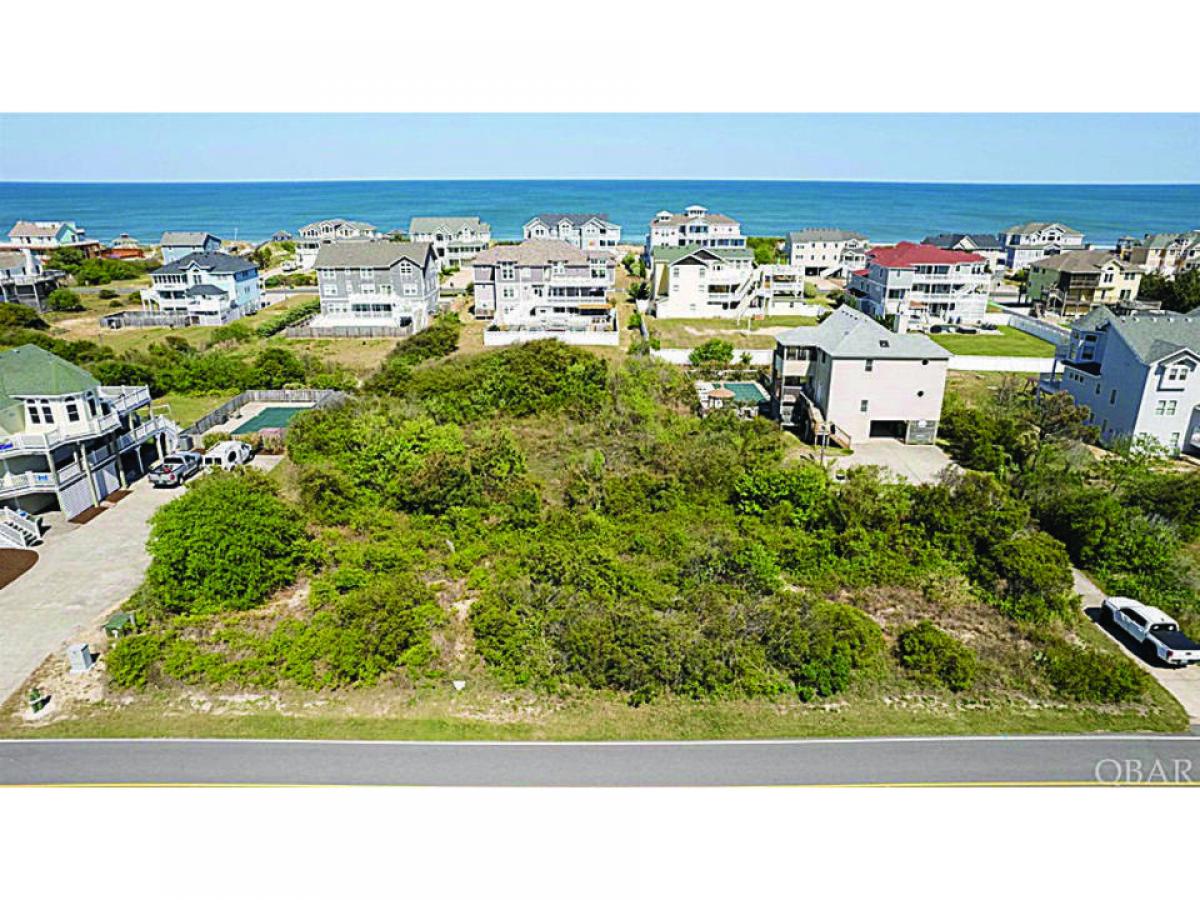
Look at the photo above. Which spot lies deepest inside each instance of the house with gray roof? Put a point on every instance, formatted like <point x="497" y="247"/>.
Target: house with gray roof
<point x="455" y="239"/>
<point x="545" y="289"/>
<point x="1028" y="242"/>
<point x="66" y="441"/>
<point x="45" y="237"/>
<point x="207" y="288"/>
<point x="587" y="231"/>
<point x="989" y="246"/>
<point x="1138" y="375"/>
<point x="722" y="283"/>
<point x="827" y="252"/>
<point x="1072" y="283"/>
<point x="851" y="379"/>
<point x="695" y="226"/>
<point x="23" y="279"/>
<point x="1167" y="254"/>
<point x="330" y="231"/>
<point x="376" y="284"/>
<point x="175" y="245"/>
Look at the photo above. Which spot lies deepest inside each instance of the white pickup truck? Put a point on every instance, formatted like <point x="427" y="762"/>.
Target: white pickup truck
<point x="1156" y="632"/>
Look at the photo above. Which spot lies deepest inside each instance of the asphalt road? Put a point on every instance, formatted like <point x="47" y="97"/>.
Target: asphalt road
<point x="1015" y="760"/>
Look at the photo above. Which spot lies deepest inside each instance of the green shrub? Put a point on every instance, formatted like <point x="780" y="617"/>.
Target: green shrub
<point x="131" y="659"/>
<point x="16" y="315"/>
<point x="227" y="543"/>
<point x="1034" y="573"/>
<point x="1090" y="675"/>
<point x="63" y="300"/>
<point x="713" y="352"/>
<point x="106" y="294"/>
<point x="926" y="649"/>
<point x="290" y="317"/>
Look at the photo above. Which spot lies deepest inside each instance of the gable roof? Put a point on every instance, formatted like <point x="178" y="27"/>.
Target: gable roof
<point x="372" y="254"/>
<point x="981" y="240"/>
<point x="1151" y="336"/>
<point x="672" y="255"/>
<point x="186" y="238"/>
<point x="538" y="252"/>
<point x="1032" y="227"/>
<point x="25" y="228"/>
<point x="848" y="333"/>
<point x="576" y="219"/>
<point x="30" y="371"/>
<point x="216" y="263"/>
<point x="338" y="223"/>
<point x="1078" y="261"/>
<point x="808" y="235"/>
<point x="681" y="218"/>
<point x="906" y="254"/>
<point x="426" y="224"/>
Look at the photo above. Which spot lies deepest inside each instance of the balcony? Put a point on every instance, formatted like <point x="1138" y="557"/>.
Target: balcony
<point x="33" y="442"/>
<point x="27" y="483"/>
<point x="124" y="398"/>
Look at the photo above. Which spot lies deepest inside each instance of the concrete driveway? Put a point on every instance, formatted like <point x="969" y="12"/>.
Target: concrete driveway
<point x="80" y="575"/>
<point x="1183" y="683"/>
<point x="917" y="463"/>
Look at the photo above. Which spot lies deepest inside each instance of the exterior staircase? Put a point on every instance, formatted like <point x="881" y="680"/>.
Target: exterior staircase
<point x="18" y="531"/>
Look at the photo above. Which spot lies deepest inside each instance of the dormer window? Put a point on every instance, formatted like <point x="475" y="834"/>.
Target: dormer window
<point x="1177" y="373"/>
<point x="72" y="410"/>
<point x="508" y="271"/>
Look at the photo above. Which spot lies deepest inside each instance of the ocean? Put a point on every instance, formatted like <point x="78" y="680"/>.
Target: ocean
<point x="883" y="211"/>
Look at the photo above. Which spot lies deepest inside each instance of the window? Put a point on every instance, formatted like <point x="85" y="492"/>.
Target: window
<point x="1112" y="396"/>
<point x="870" y="365"/>
<point x="508" y="271"/>
<point x="91" y="402"/>
<point x="1177" y="373"/>
<point x="508" y="293"/>
<point x="329" y="290"/>
<point x="47" y="413"/>
<point x="410" y="289"/>
<point x="32" y="410"/>
<point x="1165" y="407"/>
<point x="72" y="410"/>
<point x="862" y="407"/>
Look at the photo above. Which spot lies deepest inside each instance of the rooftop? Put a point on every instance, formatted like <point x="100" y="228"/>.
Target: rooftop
<point x="1034" y="227"/>
<point x="807" y="235"/>
<point x="30" y="371"/>
<point x="372" y="254"/>
<point x="25" y="228"/>
<point x="848" y="333"/>
<point x="1151" y="336"/>
<point x="426" y="224"/>
<point x="217" y="263"/>
<point x="575" y="219"/>
<point x="186" y="238"/>
<point x="1078" y="261"/>
<point x="980" y="240"/>
<point x="538" y="252"/>
<point x="682" y="218"/>
<point x="906" y="254"/>
<point x="671" y="255"/>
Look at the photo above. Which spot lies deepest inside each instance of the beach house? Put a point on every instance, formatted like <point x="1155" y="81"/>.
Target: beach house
<point x="66" y="441"/>
<point x="851" y="379"/>
<point x="826" y="252"/>
<point x="587" y="231"/>
<point x="1071" y="283"/>
<point x="330" y="231"/>
<point x="23" y="279"/>
<point x="455" y="239"/>
<point x="695" y="226"/>
<point x="45" y="237"/>
<point x="374" y="284"/>
<point x="177" y="244"/>
<point x="1027" y="243"/>
<point x="917" y="285"/>
<point x="543" y="288"/>
<point x="209" y="288"/>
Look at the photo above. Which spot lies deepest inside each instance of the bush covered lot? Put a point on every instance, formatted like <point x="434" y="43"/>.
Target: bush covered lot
<point x="557" y="529"/>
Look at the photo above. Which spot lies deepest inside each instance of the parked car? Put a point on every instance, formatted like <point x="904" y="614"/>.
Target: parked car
<point x="175" y="469"/>
<point x="1156" y="632"/>
<point x="227" y="455"/>
<point x="290" y="266"/>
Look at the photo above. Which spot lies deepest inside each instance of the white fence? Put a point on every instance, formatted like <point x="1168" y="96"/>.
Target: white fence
<point x="681" y="356"/>
<point x="1040" y="328"/>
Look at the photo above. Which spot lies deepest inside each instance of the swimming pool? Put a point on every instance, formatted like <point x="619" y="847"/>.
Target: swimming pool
<point x="271" y="417"/>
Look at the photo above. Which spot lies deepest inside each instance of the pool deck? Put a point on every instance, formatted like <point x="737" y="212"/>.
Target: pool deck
<point x="248" y="412"/>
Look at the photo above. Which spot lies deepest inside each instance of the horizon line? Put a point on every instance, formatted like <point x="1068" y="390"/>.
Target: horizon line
<point x="554" y="178"/>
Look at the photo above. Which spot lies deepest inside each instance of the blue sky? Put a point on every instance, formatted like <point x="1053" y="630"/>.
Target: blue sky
<point x="1085" y="148"/>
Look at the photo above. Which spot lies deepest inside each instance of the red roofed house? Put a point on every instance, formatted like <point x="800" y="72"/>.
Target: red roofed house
<point x="917" y="285"/>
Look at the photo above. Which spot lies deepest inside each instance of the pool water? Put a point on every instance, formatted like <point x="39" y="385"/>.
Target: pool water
<point x="271" y="417"/>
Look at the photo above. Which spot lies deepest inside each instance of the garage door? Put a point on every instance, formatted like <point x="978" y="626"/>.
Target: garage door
<point x="888" y="428"/>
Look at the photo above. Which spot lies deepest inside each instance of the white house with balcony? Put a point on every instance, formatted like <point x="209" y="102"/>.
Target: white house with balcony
<point x="827" y="252"/>
<point x="713" y="283"/>
<point x="545" y="289"/>
<point x="1138" y="375"/>
<point x="455" y="239"/>
<point x="849" y="379"/>
<point x="695" y="226"/>
<point x="1030" y="241"/>
<point x="587" y="231"/>
<point x="209" y="288"/>
<point x="330" y="231"/>
<point x="912" y="286"/>
<point x="377" y="284"/>
<point x="66" y="441"/>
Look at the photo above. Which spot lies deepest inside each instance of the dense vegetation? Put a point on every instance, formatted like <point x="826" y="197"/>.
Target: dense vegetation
<point x="535" y="517"/>
<point x="1131" y="517"/>
<point x="1181" y="293"/>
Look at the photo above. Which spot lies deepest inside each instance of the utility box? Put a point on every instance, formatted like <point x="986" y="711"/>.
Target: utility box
<point x="80" y="657"/>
